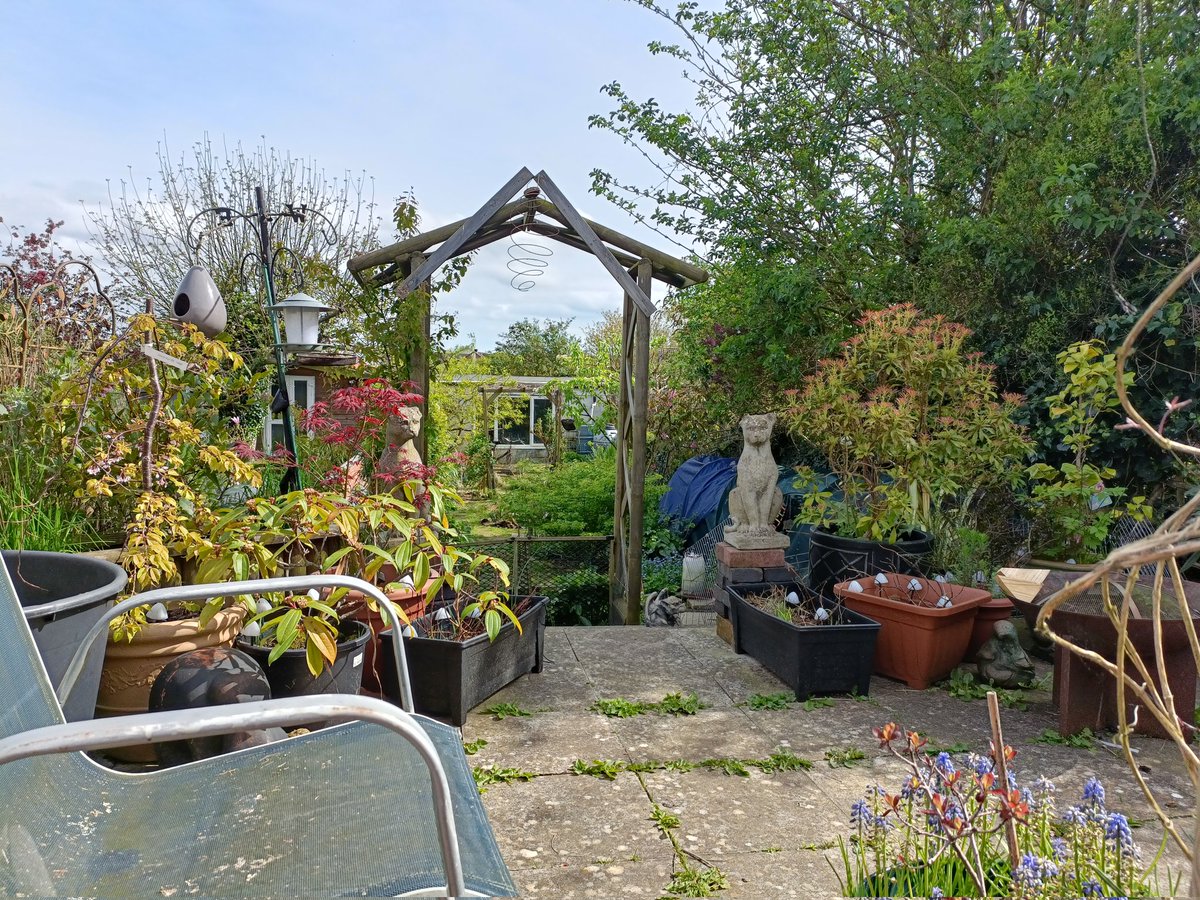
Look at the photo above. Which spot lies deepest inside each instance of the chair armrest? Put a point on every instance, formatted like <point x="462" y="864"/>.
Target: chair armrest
<point x="183" y="724"/>
<point x="234" y="589"/>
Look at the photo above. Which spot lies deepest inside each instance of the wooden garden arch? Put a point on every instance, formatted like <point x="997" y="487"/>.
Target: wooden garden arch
<point x="633" y="264"/>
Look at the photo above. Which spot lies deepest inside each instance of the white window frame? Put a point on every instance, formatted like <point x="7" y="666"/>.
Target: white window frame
<point x="273" y="421"/>
<point x="530" y="421"/>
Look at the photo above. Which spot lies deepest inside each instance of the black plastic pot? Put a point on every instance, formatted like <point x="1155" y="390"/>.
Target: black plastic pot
<point x="63" y="595"/>
<point x="814" y="659"/>
<point x="450" y="678"/>
<point x="833" y="558"/>
<point x="289" y="675"/>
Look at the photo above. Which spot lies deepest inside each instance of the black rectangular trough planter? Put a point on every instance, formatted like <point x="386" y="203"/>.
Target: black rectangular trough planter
<point x="450" y="678"/>
<point x="814" y="659"/>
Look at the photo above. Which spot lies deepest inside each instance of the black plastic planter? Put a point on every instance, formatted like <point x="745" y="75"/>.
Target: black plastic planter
<point x="450" y="678"/>
<point x="63" y="595"/>
<point x="289" y="675"/>
<point x="833" y="558"/>
<point x="813" y="659"/>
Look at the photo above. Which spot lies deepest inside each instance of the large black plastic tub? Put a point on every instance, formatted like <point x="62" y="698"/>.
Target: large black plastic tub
<point x="450" y="678"/>
<point x="63" y="595"/>
<point x="815" y="659"/>
<point x="833" y="558"/>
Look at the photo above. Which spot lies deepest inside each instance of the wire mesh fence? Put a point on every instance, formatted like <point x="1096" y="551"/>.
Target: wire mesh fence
<point x="571" y="571"/>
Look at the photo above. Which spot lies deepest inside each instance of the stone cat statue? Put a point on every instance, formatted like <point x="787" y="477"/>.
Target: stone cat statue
<point x="756" y="501"/>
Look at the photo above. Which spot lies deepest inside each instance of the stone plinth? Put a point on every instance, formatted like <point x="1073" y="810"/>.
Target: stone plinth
<point x="741" y="566"/>
<point x="754" y="540"/>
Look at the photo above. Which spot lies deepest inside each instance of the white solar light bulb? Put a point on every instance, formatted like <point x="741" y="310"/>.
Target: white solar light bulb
<point x="409" y="631"/>
<point x="881" y="578"/>
<point x="313" y="594"/>
<point x="793" y="599"/>
<point x="475" y="613"/>
<point x="821" y="614"/>
<point x="944" y="602"/>
<point x="940" y="579"/>
<point x="251" y="629"/>
<point x="914" y="585"/>
<point x="855" y="586"/>
<point x="441" y="615"/>
<point x="262" y="605"/>
<point x="157" y="613"/>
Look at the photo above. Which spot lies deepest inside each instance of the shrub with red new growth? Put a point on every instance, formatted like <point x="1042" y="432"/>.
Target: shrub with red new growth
<point x="353" y="423"/>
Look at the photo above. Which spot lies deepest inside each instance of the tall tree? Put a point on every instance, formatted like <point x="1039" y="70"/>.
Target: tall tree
<point x="536" y="348"/>
<point x="144" y="237"/>
<point x="1028" y="169"/>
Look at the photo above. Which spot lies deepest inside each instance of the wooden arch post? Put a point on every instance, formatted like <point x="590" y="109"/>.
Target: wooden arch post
<point x="631" y="263"/>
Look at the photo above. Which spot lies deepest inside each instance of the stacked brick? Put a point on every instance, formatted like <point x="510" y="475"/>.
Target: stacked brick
<point x="745" y="567"/>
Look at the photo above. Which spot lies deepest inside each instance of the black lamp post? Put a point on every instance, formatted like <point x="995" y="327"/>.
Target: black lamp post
<point x="266" y="258"/>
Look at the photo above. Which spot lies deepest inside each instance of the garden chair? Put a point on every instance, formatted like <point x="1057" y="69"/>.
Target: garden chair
<point x="381" y="806"/>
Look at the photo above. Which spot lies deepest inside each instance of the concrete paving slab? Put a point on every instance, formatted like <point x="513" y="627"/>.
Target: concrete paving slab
<point x="545" y="742"/>
<point x="577" y="836"/>
<point x="634" y="876"/>
<point x="572" y="817"/>
<point x="722" y="814"/>
<point x="709" y="734"/>
<point x="788" y="873"/>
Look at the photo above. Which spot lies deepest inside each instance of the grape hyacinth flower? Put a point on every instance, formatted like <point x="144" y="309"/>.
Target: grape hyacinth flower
<point x="1116" y="829"/>
<point x="1093" y="792"/>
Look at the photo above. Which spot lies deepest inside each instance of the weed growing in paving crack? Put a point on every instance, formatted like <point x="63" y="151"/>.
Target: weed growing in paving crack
<point x="771" y="701"/>
<point x="491" y="774"/>
<point x="687" y="881"/>
<point x="1083" y="740"/>
<point x="504" y="710"/>
<point x="671" y="705"/>
<point x="817" y="703"/>
<point x="961" y="685"/>
<point x="619" y="708"/>
<point x="473" y="747"/>
<point x="781" y="760"/>
<point x="844" y="757"/>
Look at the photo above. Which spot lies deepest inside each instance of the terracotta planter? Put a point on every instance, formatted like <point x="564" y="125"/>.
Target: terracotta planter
<point x="130" y="667"/>
<point x="991" y="611"/>
<point x="354" y="606"/>
<point x="919" y="642"/>
<point x="833" y="558"/>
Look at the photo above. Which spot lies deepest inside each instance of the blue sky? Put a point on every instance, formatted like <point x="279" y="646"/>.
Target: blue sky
<point x="448" y="97"/>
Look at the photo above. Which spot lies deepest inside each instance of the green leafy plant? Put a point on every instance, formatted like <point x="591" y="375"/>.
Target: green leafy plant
<point x="493" y="774"/>
<point x="771" y="701"/>
<point x="620" y="708"/>
<point x="690" y="882"/>
<point x="294" y="622"/>
<point x="817" y="703"/>
<point x="1084" y="740"/>
<point x="907" y="418"/>
<point x="844" y="757"/>
<point x="472" y="747"/>
<point x="598" y="768"/>
<point x="678" y="705"/>
<point x="962" y="685"/>
<point x="505" y="710"/>
<point x="1075" y="504"/>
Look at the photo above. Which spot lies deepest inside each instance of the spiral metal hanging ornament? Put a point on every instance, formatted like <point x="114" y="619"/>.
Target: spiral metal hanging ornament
<point x="528" y="259"/>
